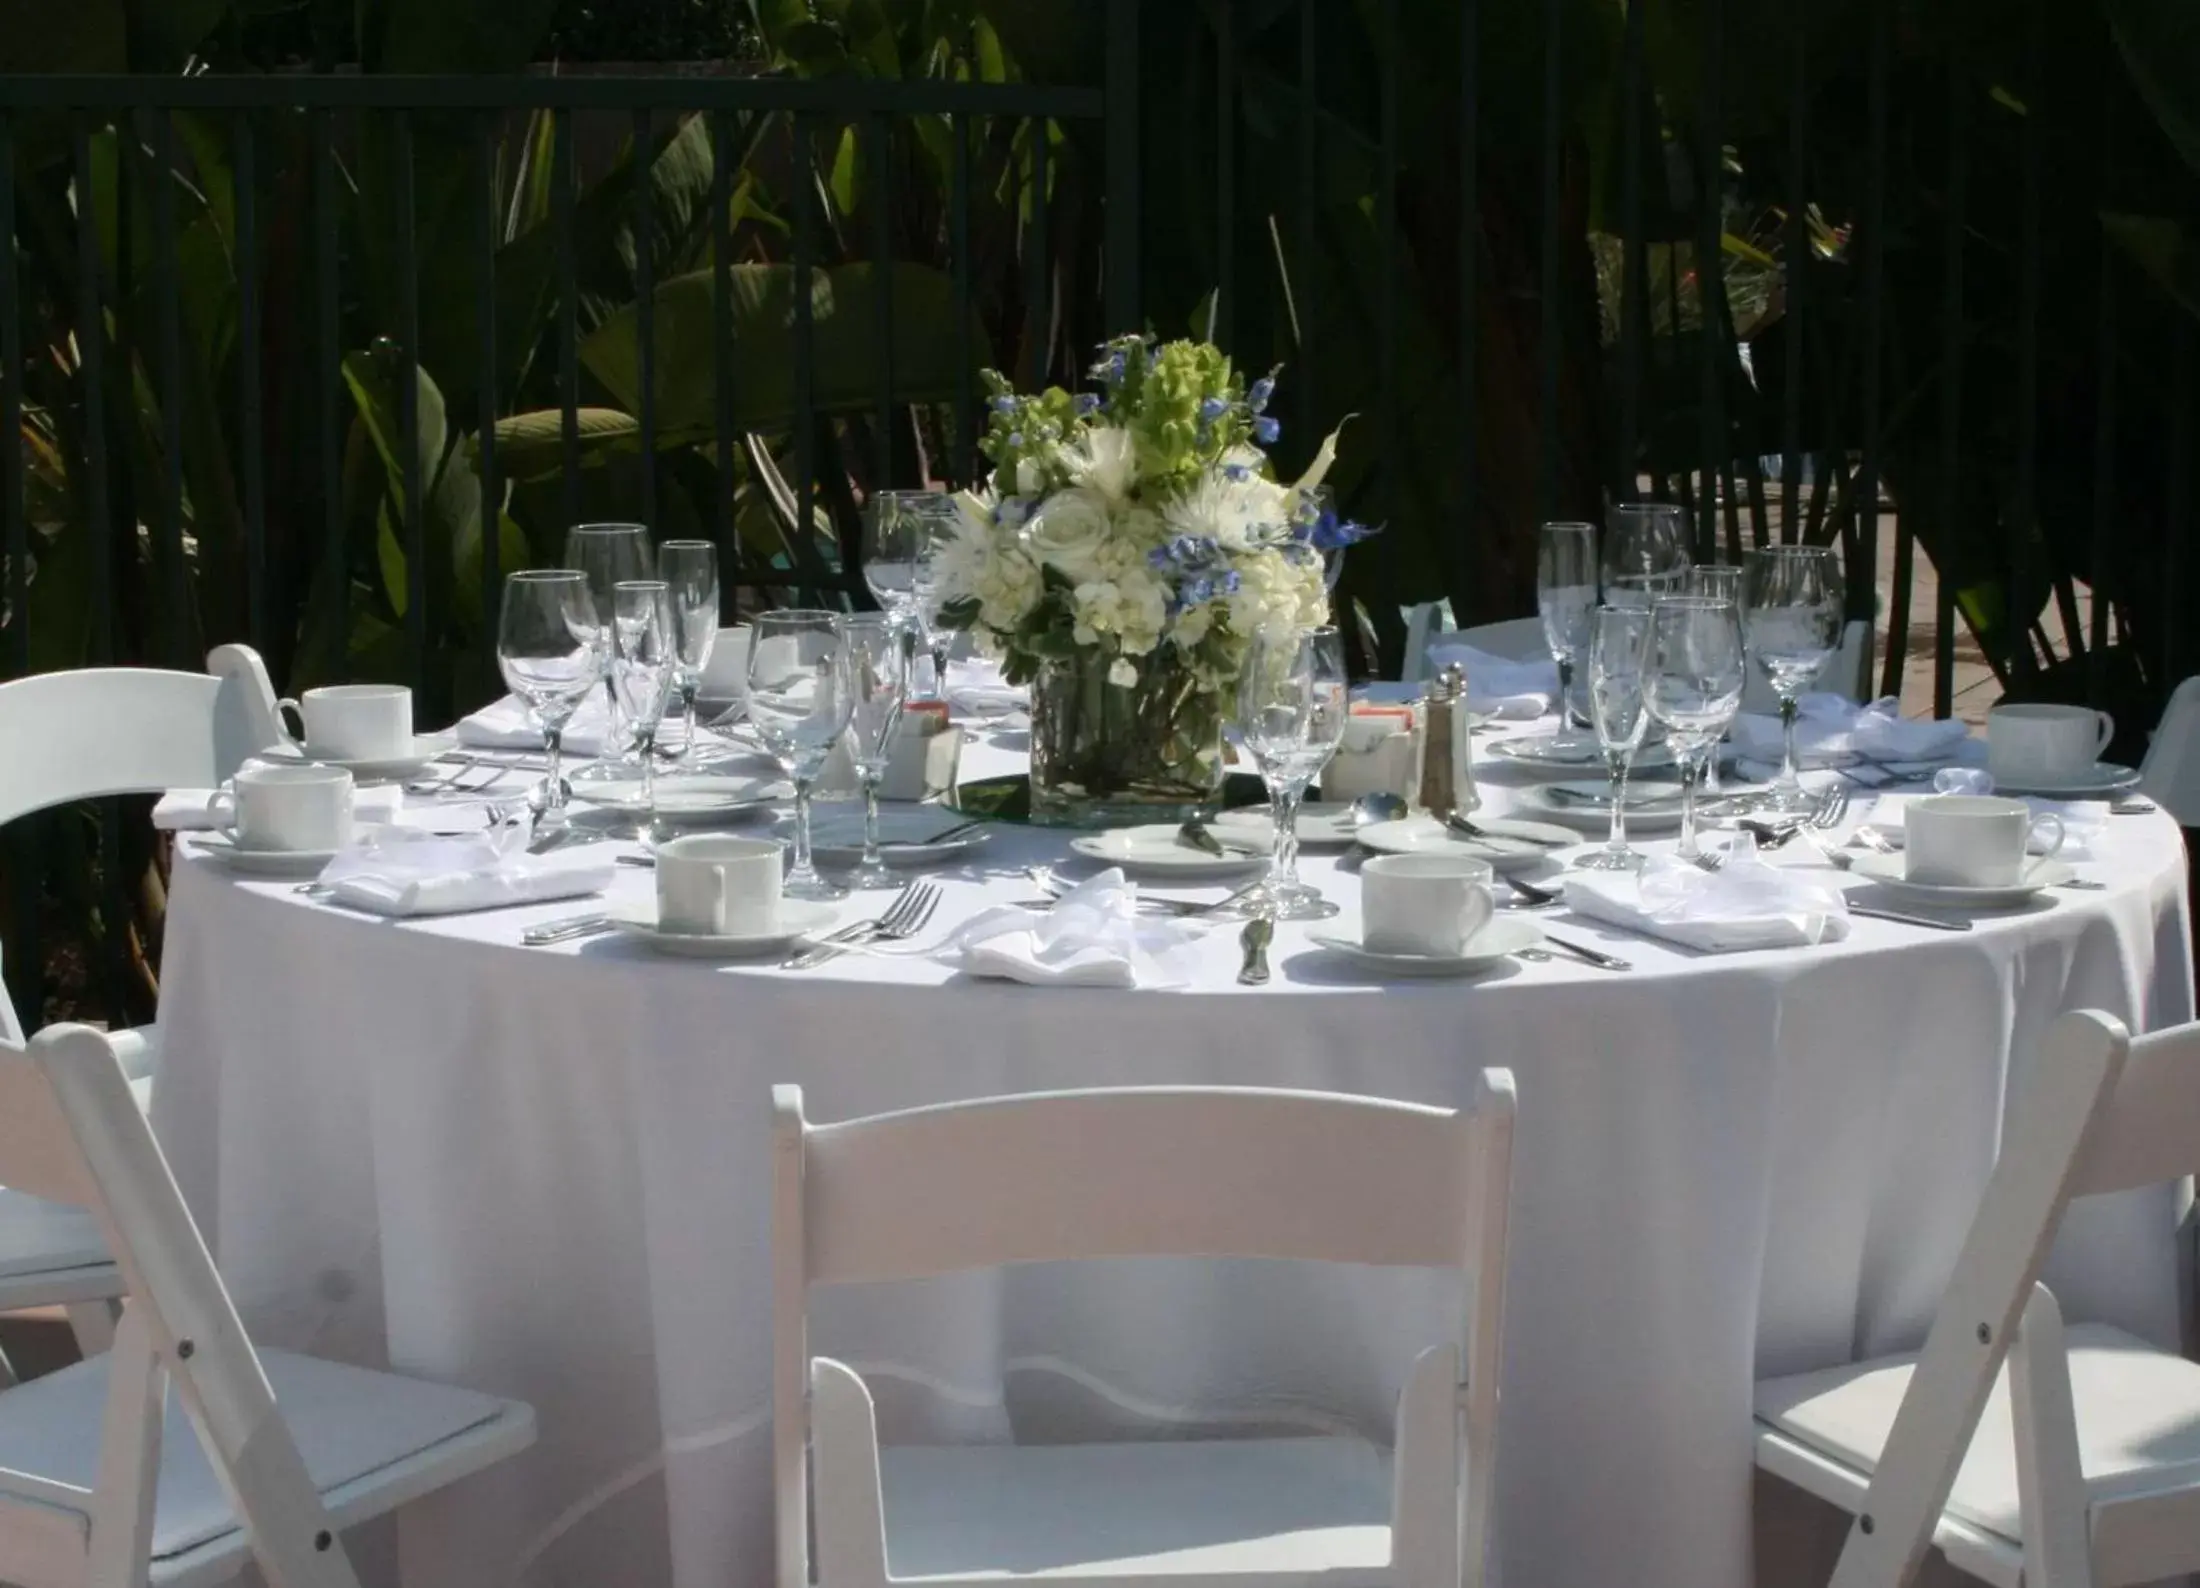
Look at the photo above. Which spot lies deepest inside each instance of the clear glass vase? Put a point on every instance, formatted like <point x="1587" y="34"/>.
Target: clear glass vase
<point x="1108" y="754"/>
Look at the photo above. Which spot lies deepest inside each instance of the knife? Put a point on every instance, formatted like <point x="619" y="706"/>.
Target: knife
<point x="1936" y="924"/>
<point x="1195" y="833"/>
<point x="1518" y="843"/>
<point x="1590" y="955"/>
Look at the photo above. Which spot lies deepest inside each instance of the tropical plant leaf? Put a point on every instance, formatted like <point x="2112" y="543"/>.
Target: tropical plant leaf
<point x="2160" y="43"/>
<point x="531" y="446"/>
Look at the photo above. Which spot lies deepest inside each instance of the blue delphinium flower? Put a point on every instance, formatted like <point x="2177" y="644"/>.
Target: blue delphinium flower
<point x="1087" y="402"/>
<point x="1265" y="430"/>
<point x="1236" y="473"/>
<point x="1015" y="438"/>
<point x="1212" y="409"/>
<point x="1257" y="398"/>
<point x="1004" y="404"/>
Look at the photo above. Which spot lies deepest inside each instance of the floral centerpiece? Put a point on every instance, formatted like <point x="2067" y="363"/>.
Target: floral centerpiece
<point x="1130" y="544"/>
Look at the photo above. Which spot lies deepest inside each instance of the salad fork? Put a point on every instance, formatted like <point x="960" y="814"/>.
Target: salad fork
<point x="905" y="917"/>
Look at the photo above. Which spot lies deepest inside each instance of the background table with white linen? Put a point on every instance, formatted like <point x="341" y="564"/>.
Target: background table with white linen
<point x="544" y="1173"/>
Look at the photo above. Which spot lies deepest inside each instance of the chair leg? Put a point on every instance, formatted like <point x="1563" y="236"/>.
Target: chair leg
<point x="93" y="1324"/>
<point x="2051" y="1494"/>
<point x="129" y="1461"/>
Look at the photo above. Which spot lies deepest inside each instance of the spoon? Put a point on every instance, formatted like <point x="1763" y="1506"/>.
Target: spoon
<point x="1372" y="810"/>
<point x="1258" y="933"/>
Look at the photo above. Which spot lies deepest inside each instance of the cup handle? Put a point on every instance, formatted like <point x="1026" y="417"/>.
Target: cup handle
<point x="222" y="806"/>
<point x="2106" y="733"/>
<point x="2041" y="823"/>
<point x="298" y="739"/>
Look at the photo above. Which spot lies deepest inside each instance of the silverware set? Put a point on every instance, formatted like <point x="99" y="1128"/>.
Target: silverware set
<point x="904" y="918"/>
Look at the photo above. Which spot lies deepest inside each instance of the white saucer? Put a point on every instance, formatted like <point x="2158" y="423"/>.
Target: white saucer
<point x="1535" y="749"/>
<point x="685" y="796"/>
<point x="223" y="847"/>
<point x="2097" y="781"/>
<point x="1511" y="846"/>
<point x="1887" y="871"/>
<point x="1587" y="807"/>
<point x="1157" y="849"/>
<point x="1504" y="936"/>
<point x="837" y="839"/>
<point x="797" y="918"/>
<point x="1323" y="824"/>
<point x="426" y="747"/>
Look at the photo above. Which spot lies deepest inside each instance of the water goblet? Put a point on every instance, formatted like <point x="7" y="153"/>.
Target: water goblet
<point x="1645" y="552"/>
<point x="1619" y="643"/>
<point x="1565" y="596"/>
<point x="1791" y="615"/>
<point x="878" y="678"/>
<point x="546" y="650"/>
<point x="934" y="519"/>
<point x="1715" y="579"/>
<point x="1692" y="685"/>
<point x="690" y="571"/>
<point x="1292" y="703"/>
<point x="799" y="703"/>
<point x="645" y="661"/>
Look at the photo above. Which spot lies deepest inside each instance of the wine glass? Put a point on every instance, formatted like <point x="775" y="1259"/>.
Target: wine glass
<point x="1722" y="579"/>
<point x="1565" y="595"/>
<point x="1291" y="709"/>
<point x="799" y="704"/>
<point x="690" y="569"/>
<point x="933" y="517"/>
<point x="608" y="554"/>
<point x="1791" y="613"/>
<point x="1693" y="684"/>
<point x="546" y="650"/>
<point x="1645" y="552"/>
<point x="645" y="662"/>
<point x="878" y="677"/>
<point x="890" y="548"/>
<point x="1619" y="641"/>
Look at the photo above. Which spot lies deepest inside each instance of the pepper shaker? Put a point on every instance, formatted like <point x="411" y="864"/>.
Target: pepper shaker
<point x="1443" y="781"/>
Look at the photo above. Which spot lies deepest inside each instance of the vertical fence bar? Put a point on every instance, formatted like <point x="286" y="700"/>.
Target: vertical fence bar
<point x="327" y="265"/>
<point x="1462" y="543"/>
<point x="966" y="362"/>
<point x="1951" y="390"/>
<point x="1797" y="249"/>
<point x="569" y="292"/>
<point x="2025" y="511"/>
<point x="1710" y="302"/>
<point x="721" y="338"/>
<point x="1875" y="277"/>
<point x="805" y="328"/>
<point x="1634" y="290"/>
<point x="1038" y="294"/>
<point x="1225" y="175"/>
<point x="880" y="143"/>
<point x="1386" y="289"/>
<point x="91" y="344"/>
<point x="485" y="312"/>
<point x="168" y="307"/>
<point x="1548" y="347"/>
<point x="2104" y="451"/>
<point x="1302" y="279"/>
<point x="426" y="679"/>
<point x="1122" y="175"/>
<point x="25" y="868"/>
<point x="645" y="302"/>
<point x="252" y="441"/>
<point x="2177" y="509"/>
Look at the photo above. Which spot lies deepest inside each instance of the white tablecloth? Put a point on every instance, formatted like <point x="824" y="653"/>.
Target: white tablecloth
<point x="544" y="1173"/>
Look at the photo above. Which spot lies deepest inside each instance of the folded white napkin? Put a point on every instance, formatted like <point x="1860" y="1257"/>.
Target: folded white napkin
<point x="1745" y="904"/>
<point x="976" y="688"/>
<point x="1502" y="685"/>
<point x="1832" y="730"/>
<point x="505" y="725"/>
<point x="396" y="871"/>
<point x="1093" y="937"/>
<point x="190" y="810"/>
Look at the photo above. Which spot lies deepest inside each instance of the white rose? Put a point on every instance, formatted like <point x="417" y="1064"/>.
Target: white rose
<point x="1105" y="461"/>
<point x="1068" y="531"/>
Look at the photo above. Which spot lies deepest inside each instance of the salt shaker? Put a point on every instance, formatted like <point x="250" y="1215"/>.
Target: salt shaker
<point x="1443" y="780"/>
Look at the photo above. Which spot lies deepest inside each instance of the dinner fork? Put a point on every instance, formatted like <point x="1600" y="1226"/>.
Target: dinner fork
<point x="905" y="917"/>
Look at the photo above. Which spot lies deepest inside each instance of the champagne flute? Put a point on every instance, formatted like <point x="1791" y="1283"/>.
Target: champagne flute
<point x="799" y="704"/>
<point x="1791" y="613"/>
<point x="1565" y="595"/>
<point x="690" y="569"/>
<point x="1693" y="684"/>
<point x="645" y="662"/>
<point x="546" y="650"/>
<point x="878" y="676"/>
<point x="1645" y="552"/>
<point x="1723" y="579"/>
<point x="1292" y="703"/>
<point x="1619" y="641"/>
<point x="933" y="519"/>
<point x="608" y="554"/>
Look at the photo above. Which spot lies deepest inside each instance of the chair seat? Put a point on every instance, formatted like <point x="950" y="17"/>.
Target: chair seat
<point x="41" y="1237"/>
<point x="2138" y="1423"/>
<point x="353" y="1427"/>
<point x="1144" y="1509"/>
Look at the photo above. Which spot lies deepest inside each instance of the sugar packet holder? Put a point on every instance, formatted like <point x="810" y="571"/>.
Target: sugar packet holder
<point x="921" y="764"/>
<point x="1377" y="754"/>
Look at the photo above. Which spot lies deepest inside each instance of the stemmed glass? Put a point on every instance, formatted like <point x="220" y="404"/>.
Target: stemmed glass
<point x="878" y="677"/>
<point x="609" y="554"/>
<point x="1619" y="642"/>
<point x="1791" y="613"/>
<point x="645" y="660"/>
<point x="1722" y="579"/>
<point x="546" y="650"/>
<point x="1694" y="683"/>
<point x="1292" y="704"/>
<point x="1565" y="595"/>
<point x="933" y="516"/>
<point x="1645" y="552"/>
<point x="690" y="571"/>
<point x="799" y="703"/>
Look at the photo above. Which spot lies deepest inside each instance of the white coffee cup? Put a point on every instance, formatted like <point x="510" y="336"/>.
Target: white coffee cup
<point x="1424" y="904"/>
<point x="354" y="722"/>
<point x="2027" y="743"/>
<point x="718" y="886"/>
<point x="295" y="809"/>
<point x="1972" y="840"/>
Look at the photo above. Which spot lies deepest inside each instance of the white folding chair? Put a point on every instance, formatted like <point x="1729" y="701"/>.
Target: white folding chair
<point x="1847" y="672"/>
<point x="1514" y="639"/>
<point x="2080" y="1463"/>
<point x="98" y="1486"/>
<point x="2170" y="774"/>
<point x="1185" y="1172"/>
<point x="79" y="735"/>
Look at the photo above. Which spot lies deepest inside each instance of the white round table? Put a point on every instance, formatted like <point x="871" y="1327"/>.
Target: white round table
<point x="543" y="1172"/>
